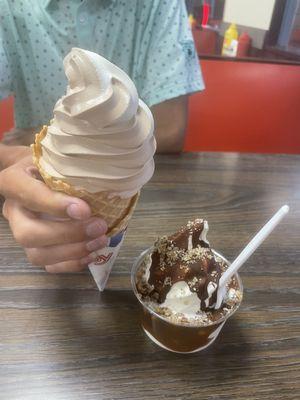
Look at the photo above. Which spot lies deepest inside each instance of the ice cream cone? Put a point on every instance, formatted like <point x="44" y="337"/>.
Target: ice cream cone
<point x="99" y="147"/>
<point x="115" y="210"/>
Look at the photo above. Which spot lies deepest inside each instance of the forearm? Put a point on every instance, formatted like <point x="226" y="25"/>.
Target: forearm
<point x="170" y="124"/>
<point x="169" y="141"/>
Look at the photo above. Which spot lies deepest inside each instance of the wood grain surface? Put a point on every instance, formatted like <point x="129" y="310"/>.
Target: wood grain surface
<point x="61" y="339"/>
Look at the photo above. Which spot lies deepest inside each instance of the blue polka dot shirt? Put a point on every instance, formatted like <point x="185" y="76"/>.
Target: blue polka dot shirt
<point x="150" y="40"/>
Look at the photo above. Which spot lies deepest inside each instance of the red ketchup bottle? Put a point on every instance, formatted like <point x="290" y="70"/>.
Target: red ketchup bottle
<point x="244" y="44"/>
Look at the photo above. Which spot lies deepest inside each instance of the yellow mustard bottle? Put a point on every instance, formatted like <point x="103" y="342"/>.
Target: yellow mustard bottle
<point x="230" y="41"/>
<point x="192" y="21"/>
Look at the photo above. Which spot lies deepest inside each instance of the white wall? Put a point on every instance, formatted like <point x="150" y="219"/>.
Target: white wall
<point x="254" y="13"/>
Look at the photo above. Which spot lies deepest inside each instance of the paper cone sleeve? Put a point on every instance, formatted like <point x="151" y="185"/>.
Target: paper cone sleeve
<point x="116" y="211"/>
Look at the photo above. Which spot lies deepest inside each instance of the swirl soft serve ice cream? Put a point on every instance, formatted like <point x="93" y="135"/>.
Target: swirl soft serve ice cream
<point x="101" y="137"/>
<point x="99" y="146"/>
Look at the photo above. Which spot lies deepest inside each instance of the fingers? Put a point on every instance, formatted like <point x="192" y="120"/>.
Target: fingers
<point x="18" y="182"/>
<point x="66" y="267"/>
<point x="31" y="231"/>
<point x="84" y="251"/>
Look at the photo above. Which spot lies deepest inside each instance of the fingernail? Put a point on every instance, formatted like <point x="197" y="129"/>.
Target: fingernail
<point x="75" y="211"/>
<point x="96" y="228"/>
<point x="97" y="244"/>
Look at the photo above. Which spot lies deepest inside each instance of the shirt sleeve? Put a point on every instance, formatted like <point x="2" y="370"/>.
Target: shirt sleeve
<point x="5" y="74"/>
<point x="171" y="66"/>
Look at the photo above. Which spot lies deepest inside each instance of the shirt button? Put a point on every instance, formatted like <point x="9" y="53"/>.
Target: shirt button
<point x="82" y="18"/>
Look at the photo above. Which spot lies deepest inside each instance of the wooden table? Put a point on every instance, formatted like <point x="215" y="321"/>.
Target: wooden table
<point x="61" y="339"/>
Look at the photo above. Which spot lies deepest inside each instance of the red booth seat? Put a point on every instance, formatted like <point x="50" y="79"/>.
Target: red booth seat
<point x="246" y="107"/>
<point x="6" y="115"/>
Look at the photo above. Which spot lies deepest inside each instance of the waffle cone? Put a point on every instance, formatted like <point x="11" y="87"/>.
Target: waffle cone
<point x="115" y="210"/>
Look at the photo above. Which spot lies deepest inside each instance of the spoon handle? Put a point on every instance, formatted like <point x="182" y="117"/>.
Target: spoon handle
<point x="249" y="250"/>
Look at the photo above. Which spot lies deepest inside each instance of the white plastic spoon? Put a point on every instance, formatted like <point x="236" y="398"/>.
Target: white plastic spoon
<point x="248" y="251"/>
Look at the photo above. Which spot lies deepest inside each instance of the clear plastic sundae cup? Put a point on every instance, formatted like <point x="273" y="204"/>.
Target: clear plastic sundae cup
<point x="179" y="337"/>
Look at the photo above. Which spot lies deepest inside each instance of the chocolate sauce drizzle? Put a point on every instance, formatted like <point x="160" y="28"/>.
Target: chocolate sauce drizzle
<point x="174" y="261"/>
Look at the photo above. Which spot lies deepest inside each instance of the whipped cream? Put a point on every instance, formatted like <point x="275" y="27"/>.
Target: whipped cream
<point x="180" y="299"/>
<point x="101" y="136"/>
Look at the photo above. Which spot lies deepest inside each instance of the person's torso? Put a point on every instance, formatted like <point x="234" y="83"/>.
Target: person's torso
<point x="37" y="35"/>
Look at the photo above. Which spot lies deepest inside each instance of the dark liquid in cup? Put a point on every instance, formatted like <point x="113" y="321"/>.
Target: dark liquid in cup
<point x="175" y="337"/>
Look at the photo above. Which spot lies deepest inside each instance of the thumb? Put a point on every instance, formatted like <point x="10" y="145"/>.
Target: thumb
<point x="18" y="183"/>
